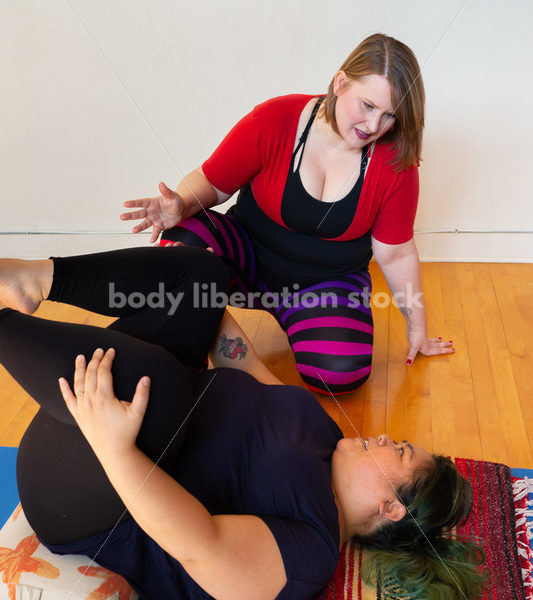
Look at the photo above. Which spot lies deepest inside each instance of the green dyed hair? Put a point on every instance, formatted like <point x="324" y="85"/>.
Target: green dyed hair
<point x="418" y="554"/>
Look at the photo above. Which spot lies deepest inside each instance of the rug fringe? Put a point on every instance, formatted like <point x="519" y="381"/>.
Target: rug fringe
<point x="522" y="488"/>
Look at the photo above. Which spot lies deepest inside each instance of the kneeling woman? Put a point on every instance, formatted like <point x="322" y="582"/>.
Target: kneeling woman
<point x="196" y="483"/>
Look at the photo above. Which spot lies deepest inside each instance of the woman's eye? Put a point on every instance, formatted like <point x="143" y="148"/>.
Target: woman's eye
<point x="367" y="105"/>
<point x="399" y="448"/>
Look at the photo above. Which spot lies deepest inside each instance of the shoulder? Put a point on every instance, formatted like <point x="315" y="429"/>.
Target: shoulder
<point x="383" y="155"/>
<point x="309" y="546"/>
<point x="286" y="107"/>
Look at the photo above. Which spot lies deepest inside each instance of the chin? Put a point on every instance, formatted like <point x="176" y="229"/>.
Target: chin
<point x="345" y="441"/>
<point x="359" y="143"/>
<point x="348" y="445"/>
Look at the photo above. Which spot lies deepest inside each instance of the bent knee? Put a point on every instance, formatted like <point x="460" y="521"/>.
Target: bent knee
<point x="210" y="269"/>
<point x="335" y="374"/>
<point x="185" y="233"/>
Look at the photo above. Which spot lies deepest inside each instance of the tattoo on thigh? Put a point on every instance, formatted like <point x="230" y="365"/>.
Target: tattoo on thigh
<point x="233" y="348"/>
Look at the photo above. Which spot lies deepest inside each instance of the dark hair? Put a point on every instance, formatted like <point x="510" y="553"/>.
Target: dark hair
<point x="419" y="554"/>
<point x="383" y="55"/>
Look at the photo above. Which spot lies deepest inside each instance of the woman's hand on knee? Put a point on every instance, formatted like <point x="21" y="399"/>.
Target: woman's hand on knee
<point x="109" y="424"/>
<point x="171" y="244"/>
<point x="160" y="213"/>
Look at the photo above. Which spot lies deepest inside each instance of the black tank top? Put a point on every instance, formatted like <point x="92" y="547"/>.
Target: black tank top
<point x="303" y="213"/>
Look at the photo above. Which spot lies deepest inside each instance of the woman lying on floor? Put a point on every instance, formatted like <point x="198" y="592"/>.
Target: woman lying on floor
<point x="196" y="483"/>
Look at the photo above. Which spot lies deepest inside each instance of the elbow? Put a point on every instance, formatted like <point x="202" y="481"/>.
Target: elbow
<point x="220" y="196"/>
<point x="387" y="255"/>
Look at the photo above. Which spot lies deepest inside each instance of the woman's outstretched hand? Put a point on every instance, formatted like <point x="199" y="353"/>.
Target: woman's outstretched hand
<point x="419" y="342"/>
<point x="109" y="424"/>
<point x="160" y="213"/>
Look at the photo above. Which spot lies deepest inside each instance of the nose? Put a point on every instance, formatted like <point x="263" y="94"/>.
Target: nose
<point x="373" y="125"/>
<point x="384" y="440"/>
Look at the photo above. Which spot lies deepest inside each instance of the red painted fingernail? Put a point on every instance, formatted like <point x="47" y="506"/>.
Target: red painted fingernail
<point x="409" y="361"/>
<point x="453" y="349"/>
<point x="439" y="338"/>
<point x="451" y="341"/>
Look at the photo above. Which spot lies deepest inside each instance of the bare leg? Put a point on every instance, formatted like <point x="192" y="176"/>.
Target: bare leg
<point x="24" y="284"/>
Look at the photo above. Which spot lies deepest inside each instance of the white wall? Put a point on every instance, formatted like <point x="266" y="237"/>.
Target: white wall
<point x="73" y="145"/>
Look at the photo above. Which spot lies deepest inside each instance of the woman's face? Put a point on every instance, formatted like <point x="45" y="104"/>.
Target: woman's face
<point x="366" y="476"/>
<point x="364" y="110"/>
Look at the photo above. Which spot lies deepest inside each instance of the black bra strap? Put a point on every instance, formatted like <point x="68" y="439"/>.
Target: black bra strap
<point x="304" y="135"/>
<point x="364" y="159"/>
<point x="303" y="139"/>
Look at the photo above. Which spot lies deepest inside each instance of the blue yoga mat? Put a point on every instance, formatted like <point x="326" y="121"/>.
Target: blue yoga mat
<point x="9" y="497"/>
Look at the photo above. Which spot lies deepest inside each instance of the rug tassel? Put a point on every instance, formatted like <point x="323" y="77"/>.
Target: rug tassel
<point x="522" y="488"/>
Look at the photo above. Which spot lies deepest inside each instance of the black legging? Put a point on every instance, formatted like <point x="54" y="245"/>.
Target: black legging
<point x="63" y="489"/>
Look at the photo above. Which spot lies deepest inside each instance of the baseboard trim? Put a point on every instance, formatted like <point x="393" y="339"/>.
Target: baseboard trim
<point x="475" y="247"/>
<point x="43" y="245"/>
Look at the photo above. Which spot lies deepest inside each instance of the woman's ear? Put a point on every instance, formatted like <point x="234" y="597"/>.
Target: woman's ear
<point x="339" y="82"/>
<point x="392" y="510"/>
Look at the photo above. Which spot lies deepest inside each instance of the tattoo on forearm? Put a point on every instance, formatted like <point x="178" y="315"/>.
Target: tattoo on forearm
<point x="406" y="312"/>
<point x="233" y="348"/>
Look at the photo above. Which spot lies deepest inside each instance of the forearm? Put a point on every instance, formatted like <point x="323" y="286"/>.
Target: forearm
<point x="197" y="193"/>
<point x="171" y="516"/>
<point x="402" y="272"/>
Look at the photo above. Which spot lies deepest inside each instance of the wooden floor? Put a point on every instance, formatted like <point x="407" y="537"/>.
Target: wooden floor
<point x="477" y="403"/>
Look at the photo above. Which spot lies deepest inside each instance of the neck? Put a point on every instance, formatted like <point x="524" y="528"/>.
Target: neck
<point x="343" y="538"/>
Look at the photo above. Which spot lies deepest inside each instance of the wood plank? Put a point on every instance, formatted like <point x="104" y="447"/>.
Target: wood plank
<point x="460" y="387"/>
<point x="272" y="345"/>
<point x="472" y="293"/>
<point x="409" y="411"/>
<point x="438" y="367"/>
<point x="13" y="399"/>
<point x="512" y="426"/>
<point x="14" y="432"/>
<point x="351" y="413"/>
<point x="513" y="285"/>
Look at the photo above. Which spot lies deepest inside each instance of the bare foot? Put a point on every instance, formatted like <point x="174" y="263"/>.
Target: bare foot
<point x="21" y="283"/>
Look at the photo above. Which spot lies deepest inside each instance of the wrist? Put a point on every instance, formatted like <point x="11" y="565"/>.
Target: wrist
<point x="186" y="211"/>
<point x="116" y="454"/>
<point x="416" y="322"/>
<point x="416" y="331"/>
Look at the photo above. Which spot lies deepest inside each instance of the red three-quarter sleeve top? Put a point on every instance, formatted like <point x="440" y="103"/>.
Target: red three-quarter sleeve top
<point x="259" y="149"/>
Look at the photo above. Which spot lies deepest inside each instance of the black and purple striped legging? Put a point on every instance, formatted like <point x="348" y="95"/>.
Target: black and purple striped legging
<point x="329" y="325"/>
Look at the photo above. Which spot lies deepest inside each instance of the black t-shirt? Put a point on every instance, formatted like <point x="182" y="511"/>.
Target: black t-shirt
<point x="250" y="449"/>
